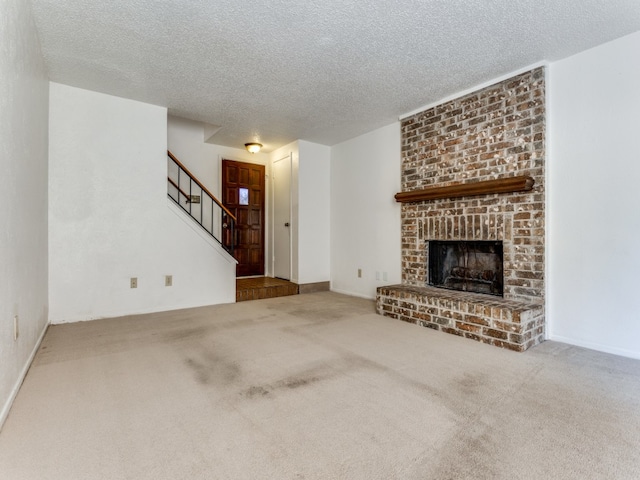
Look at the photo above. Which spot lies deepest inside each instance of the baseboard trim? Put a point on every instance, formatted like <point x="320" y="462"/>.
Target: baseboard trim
<point x="14" y="392"/>
<point x="596" y="346"/>
<point x="353" y="294"/>
<point x="314" y="287"/>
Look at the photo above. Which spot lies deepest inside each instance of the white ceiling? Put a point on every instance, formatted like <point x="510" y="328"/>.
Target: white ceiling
<point x="319" y="70"/>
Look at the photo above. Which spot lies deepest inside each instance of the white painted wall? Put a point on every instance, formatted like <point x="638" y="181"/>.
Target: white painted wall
<point x="24" y="104"/>
<point x="186" y="140"/>
<point x="365" y="218"/>
<point x="110" y="219"/>
<point x="594" y="198"/>
<point x="313" y="212"/>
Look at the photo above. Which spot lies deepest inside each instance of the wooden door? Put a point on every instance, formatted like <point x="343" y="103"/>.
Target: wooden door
<point x="243" y="194"/>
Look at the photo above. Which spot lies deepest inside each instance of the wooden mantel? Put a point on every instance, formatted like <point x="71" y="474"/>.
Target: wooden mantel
<point x="488" y="187"/>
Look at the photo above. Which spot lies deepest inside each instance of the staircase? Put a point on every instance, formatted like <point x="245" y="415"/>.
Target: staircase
<point x="200" y="204"/>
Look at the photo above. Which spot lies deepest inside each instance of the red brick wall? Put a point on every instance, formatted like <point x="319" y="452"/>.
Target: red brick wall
<point x="496" y="132"/>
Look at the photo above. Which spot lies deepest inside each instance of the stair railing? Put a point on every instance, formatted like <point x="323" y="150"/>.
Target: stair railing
<point x="201" y="205"/>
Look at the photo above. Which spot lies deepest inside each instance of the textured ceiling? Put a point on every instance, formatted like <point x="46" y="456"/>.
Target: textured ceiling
<point x="323" y="71"/>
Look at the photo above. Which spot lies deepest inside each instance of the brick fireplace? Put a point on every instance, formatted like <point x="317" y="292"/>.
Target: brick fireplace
<point x="494" y="134"/>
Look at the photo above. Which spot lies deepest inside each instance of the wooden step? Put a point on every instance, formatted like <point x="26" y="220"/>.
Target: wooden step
<point x="256" y="288"/>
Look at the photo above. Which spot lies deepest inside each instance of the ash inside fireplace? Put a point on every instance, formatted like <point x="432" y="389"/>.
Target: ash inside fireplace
<point x="469" y="266"/>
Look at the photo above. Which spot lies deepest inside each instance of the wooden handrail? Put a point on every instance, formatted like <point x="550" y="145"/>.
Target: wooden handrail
<point x="487" y="187"/>
<point x="204" y="189"/>
<point x="179" y="189"/>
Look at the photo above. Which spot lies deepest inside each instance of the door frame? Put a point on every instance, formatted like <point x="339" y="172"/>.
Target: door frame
<point x="289" y="158"/>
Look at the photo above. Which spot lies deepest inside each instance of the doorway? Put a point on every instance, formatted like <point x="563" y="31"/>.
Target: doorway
<point x="281" y="173"/>
<point x="243" y="193"/>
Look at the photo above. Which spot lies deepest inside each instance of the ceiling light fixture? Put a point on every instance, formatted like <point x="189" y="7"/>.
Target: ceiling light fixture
<point x="253" y="147"/>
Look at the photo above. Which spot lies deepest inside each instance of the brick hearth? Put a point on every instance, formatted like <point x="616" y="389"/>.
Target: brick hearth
<point x="494" y="133"/>
<point x="511" y="324"/>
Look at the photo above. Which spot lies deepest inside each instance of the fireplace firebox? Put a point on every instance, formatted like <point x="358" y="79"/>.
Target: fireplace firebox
<point x="469" y="266"/>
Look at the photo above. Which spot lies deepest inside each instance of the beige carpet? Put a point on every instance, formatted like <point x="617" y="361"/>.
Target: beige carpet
<point x="314" y="386"/>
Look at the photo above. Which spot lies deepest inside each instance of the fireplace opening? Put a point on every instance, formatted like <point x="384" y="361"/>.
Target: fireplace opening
<point x="468" y="266"/>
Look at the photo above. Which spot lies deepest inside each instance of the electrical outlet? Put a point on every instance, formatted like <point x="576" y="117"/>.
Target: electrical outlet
<point x="16" y="330"/>
<point x="384" y="276"/>
<point x="134" y="282"/>
<point x="168" y="280"/>
<point x="359" y="273"/>
<point x="377" y="275"/>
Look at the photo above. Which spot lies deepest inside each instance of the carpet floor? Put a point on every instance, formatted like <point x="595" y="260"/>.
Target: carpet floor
<point x="314" y="386"/>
